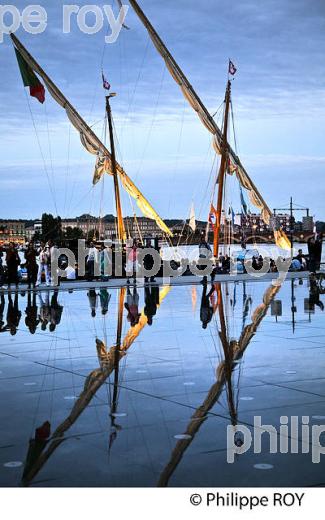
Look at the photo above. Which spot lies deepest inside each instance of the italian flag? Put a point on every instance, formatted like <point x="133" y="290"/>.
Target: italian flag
<point x="36" y="89"/>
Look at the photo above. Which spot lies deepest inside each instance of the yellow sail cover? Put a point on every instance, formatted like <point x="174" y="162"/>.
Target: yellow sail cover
<point x="281" y="239"/>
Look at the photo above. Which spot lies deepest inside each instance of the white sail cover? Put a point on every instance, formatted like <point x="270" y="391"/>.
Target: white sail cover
<point x="91" y="142"/>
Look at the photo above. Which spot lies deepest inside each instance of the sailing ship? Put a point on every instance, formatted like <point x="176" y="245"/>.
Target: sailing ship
<point x="106" y="160"/>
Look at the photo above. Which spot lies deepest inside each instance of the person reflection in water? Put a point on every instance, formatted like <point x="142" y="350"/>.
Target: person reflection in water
<point x="13" y="314"/>
<point x="2" y="308"/>
<point x="31" y="319"/>
<point x="55" y="311"/>
<point x="92" y="297"/>
<point x="206" y="310"/>
<point x="151" y="302"/>
<point x="44" y="315"/>
<point x="315" y="290"/>
<point x="104" y="297"/>
<point x="132" y="306"/>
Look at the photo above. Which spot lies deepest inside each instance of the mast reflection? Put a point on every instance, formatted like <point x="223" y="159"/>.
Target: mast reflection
<point x="233" y="351"/>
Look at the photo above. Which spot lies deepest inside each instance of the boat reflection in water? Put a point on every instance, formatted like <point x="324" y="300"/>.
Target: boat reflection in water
<point x="213" y="312"/>
<point x="44" y="445"/>
<point x="232" y="352"/>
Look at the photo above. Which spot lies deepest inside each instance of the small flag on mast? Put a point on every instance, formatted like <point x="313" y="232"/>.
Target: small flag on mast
<point x="106" y="84"/>
<point x="232" y="69"/>
<point x="36" y="88"/>
<point x="213" y="217"/>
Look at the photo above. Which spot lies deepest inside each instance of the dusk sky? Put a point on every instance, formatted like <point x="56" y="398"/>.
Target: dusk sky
<point x="278" y="47"/>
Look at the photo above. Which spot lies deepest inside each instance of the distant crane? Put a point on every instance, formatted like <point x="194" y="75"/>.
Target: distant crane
<point x="292" y="209"/>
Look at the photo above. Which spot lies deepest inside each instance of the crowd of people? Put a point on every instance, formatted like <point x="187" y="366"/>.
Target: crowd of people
<point x="299" y="262"/>
<point x="36" y="261"/>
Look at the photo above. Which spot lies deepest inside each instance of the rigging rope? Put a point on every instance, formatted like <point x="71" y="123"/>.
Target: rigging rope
<point x="50" y="148"/>
<point x="67" y="174"/>
<point x="41" y="152"/>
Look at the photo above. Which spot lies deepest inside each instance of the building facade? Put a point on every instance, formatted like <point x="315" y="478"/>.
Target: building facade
<point x="12" y="231"/>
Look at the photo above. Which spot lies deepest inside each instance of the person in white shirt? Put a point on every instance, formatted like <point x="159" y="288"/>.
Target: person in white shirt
<point x="44" y="258"/>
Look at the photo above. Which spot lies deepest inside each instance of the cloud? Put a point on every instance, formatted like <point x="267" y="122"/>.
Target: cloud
<point x="278" y="98"/>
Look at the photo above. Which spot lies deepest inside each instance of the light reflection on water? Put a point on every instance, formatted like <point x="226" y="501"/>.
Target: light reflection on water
<point x="126" y="388"/>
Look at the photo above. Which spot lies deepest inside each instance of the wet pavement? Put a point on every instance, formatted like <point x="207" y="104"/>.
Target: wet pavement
<point x="105" y="388"/>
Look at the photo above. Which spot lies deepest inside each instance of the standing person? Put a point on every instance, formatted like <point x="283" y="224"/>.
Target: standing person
<point x="31" y="264"/>
<point x="131" y="265"/>
<point x="226" y="265"/>
<point x="148" y="262"/>
<point x="43" y="265"/>
<point x="318" y="250"/>
<point x="104" y="263"/>
<point x="255" y="264"/>
<point x="50" y="247"/>
<point x="204" y="250"/>
<point x="13" y="261"/>
<point x="2" y="276"/>
<point x="312" y="253"/>
<point x="91" y="259"/>
<point x="218" y="267"/>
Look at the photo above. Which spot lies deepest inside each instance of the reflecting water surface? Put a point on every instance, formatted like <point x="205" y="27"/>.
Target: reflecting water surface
<point x="139" y="386"/>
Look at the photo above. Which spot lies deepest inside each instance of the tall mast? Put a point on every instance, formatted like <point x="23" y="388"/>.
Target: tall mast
<point x="222" y="171"/>
<point x="120" y="224"/>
